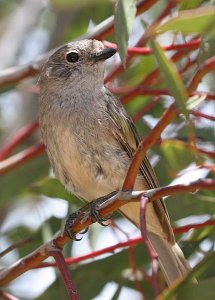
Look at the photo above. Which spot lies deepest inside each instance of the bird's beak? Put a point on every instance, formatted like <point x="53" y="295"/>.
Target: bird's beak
<point x="104" y="54"/>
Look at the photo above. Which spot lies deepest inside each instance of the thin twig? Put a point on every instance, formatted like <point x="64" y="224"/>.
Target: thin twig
<point x="15" y="245"/>
<point x="191" y="45"/>
<point x="7" y="296"/>
<point x="128" y="243"/>
<point x="144" y="145"/>
<point x="32" y="260"/>
<point x="16" y="139"/>
<point x="118" y="69"/>
<point x="65" y="273"/>
<point x="206" y="67"/>
<point x="17" y="73"/>
<point x="21" y="157"/>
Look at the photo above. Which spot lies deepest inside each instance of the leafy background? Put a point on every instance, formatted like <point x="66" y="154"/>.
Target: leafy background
<point x="34" y="205"/>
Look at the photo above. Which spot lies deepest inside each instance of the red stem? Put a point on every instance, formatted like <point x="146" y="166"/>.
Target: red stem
<point x="144" y="145"/>
<point x="21" y="157"/>
<point x="7" y="296"/>
<point x="129" y="243"/>
<point x="18" y="137"/>
<point x="119" y="68"/>
<point x="206" y="67"/>
<point x="191" y="45"/>
<point x="65" y="273"/>
<point x="199" y="114"/>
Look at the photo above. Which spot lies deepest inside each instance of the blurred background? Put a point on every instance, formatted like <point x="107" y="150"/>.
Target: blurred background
<point x="34" y="205"/>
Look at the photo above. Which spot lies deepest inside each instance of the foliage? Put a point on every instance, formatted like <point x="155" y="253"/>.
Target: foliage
<point x="34" y="204"/>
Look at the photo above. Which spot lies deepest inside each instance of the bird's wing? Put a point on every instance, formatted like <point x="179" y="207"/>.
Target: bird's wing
<point x="126" y="134"/>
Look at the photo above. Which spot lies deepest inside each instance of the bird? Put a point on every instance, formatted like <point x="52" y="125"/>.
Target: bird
<point x="90" y="140"/>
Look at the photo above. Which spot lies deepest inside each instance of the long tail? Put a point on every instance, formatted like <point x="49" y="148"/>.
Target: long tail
<point x="172" y="261"/>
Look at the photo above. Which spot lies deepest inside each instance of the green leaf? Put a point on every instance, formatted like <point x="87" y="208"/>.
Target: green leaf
<point x="15" y="182"/>
<point x="52" y="188"/>
<point x="188" y="4"/>
<point x="171" y="75"/>
<point x="200" y="20"/>
<point x="124" y="15"/>
<point x="188" y="290"/>
<point x="113" y="268"/>
<point x="207" y="49"/>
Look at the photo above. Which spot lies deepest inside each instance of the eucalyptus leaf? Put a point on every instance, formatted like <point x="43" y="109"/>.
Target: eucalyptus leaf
<point x="186" y="288"/>
<point x="124" y="15"/>
<point x="199" y="20"/>
<point x="171" y="75"/>
<point x="188" y="4"/>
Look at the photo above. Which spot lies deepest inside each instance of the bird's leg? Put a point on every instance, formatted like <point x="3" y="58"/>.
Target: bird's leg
<point x="99" y="203"/>
<point x="92" y="212"/>
<point x="69" y="222"/>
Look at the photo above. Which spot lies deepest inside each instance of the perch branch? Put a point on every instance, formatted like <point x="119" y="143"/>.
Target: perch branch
<point x="34" y="259"/>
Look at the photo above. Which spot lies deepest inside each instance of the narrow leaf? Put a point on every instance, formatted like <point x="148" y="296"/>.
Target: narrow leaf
<point x="184" y="284"/>
<point x="124" y="15"/>
<point x="188" y="4"/>
<point x="199" y="20"/>
<point x="171" y="75"/>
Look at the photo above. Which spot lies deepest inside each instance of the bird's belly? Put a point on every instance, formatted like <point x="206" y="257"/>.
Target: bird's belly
<point x="85" y="171"/>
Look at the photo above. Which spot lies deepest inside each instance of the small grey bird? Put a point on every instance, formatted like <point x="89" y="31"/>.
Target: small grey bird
<point x="90" y="141"/>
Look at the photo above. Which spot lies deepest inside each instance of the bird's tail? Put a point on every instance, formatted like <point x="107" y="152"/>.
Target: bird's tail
<point x="171" y="259"/>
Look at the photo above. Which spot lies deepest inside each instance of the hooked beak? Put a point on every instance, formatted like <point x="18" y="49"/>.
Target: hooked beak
<point x="104" y="54"/>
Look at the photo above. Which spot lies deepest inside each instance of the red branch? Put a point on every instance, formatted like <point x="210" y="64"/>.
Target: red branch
<point x="18" y="137"/>
<point x="17" y="73"/>
<point x="96" y="253"/>
<point x="65" y="273"/>
<point x="191" y="45"/>
<point x="144" y="145"/>
<point x="199" y="114"/>
<point x="21" y="157"/>
<point x="118" y="69"/>
<point x="32" y="260"/>
<point x="7" y="296"/>
<point x="206" y="67"/>
<point x="129" y="243"/>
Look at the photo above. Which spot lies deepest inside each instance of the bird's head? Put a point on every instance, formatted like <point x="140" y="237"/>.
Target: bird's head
<point x="77" y="60"/>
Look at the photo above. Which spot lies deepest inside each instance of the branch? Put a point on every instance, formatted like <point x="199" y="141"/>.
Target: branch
<point x="7" y="296"/>
<point x="206" y="67"/>
<point x="118" y="69"/>
<point x="144" y="145"/>
<point x="18" y="137"/>
<point x="191" y="45"/>
<point x="192" y="147"/>
<point x="21" y="157"/>
<point x="17" y="73"/>
<point x="32" y="260"/>
<point x="199" y="114"/>
<point x="65" y="273"/>
<point x="129" y="243"/>
<point x="150" y="79"/>
<point x="95" y="253"/>
<point x="15" y="245"/>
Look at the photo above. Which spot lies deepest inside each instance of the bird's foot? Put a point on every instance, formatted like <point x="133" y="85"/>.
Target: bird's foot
<point x="97" y="205"/>
<point x="69" y="222"/>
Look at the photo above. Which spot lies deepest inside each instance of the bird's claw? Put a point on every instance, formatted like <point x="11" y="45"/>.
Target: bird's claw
<point x="95" y="207"/>
<point x="69" y="222"/>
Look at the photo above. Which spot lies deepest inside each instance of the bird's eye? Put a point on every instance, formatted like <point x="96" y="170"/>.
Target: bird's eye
<point x="72" y="57"/>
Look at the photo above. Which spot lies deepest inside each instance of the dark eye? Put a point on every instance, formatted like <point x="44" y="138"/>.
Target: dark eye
<point x="72" y="57"/>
